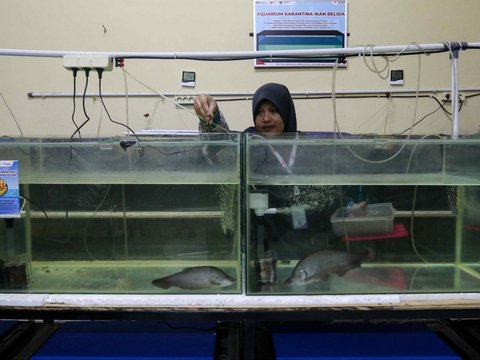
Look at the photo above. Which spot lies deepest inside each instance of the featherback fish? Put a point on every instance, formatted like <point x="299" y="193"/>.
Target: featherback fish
<point x="194" y="278"/>
<point x="319" y="265"/>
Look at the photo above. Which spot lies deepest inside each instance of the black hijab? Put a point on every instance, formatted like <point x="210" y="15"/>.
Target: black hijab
<point x="280" y="97"/>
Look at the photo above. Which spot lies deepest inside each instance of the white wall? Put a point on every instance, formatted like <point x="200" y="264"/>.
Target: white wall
<point x="215" y="25"/>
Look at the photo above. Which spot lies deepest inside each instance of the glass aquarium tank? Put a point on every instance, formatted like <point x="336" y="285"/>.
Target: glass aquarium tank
<point x="353" y="215"/>
<point x="150" y="215"/>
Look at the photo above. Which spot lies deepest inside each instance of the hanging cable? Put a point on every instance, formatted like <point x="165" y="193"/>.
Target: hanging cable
<point x="74" y="72"/>
<point x="131" y="132"/>
<point x="423" y="118"/>
<point x="87" y="73"/>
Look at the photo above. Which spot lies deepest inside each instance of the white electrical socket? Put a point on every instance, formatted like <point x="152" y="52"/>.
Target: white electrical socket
<point x="92" y="62"/>
<point x="446" y="96"/>
<point x="184" y="100"/>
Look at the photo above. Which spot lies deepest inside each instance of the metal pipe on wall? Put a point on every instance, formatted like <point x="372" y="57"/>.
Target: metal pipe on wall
<point x="247" y="95"/>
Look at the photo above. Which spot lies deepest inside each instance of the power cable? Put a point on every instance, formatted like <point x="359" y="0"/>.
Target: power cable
<point x="87" y="73"/>
<point x="74" y="72"/>
<point x="100" y="72"/>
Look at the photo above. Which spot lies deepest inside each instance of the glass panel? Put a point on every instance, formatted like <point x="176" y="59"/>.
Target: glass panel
<point x="114" y="216"/>
<point x="361" y="216"/>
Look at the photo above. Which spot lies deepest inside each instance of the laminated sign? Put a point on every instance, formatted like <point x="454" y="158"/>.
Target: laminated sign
<point x="9" y="189"/>
<point x="308" y="25"/>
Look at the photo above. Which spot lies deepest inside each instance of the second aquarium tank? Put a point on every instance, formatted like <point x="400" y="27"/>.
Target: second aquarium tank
<point x="362" y="216"/>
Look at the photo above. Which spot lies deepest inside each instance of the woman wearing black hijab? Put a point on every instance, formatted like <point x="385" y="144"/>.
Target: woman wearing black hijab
<point x="270" y="99"/>
<point x="272" y="108"/>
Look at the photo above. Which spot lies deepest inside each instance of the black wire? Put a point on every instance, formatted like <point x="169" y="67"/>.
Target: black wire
<point x="419" y="121"/>
<point x="100" y="71"/>
<point x="419" y="52"/>
<point x="442" y="105"/>
<point x="87" y="73"/>
<point x="472" y="95"/>
<point x="300" y="57"/>
<point x="75" y="71"/>
<point x="173" y="152"/>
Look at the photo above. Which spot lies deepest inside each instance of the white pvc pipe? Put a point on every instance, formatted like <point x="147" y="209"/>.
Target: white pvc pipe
<point x="238" y="55"/>
<point x="454" y="97"/>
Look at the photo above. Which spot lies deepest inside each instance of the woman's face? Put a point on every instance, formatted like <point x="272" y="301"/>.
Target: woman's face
<point x="268" y="121"/>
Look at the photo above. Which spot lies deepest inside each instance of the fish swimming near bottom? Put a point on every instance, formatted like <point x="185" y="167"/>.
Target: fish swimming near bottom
<point x="194" y="278"/>
<point x="319" y="265"/>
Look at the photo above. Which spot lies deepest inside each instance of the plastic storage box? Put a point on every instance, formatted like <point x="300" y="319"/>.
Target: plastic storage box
<point x="373" y="219"/>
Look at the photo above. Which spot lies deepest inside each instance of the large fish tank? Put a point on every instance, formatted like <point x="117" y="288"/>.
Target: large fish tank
<point x="110" y="216"/>
<point x="239" y="223"/>
<point x="349" y="215"/>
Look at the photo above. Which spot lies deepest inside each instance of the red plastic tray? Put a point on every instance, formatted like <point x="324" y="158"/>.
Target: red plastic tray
<point x="399" y="231"/>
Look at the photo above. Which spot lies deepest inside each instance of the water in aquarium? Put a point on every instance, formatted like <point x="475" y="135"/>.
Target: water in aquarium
<point x="121" y="238"/>
<point x="360" y="239"/>
<point x="114" y="216"/>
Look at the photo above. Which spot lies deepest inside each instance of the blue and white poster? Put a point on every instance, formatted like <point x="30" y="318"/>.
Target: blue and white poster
<point x="9" y="189"/>
<point x="299" y="25"/>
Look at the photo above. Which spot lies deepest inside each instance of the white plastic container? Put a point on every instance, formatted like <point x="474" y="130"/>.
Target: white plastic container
<point x="373" y="219"/>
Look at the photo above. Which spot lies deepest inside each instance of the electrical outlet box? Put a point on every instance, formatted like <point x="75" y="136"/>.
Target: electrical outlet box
<point x="93" y="62"/>
<point x="446" y="96"/>
<point x="184" y="100"/>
